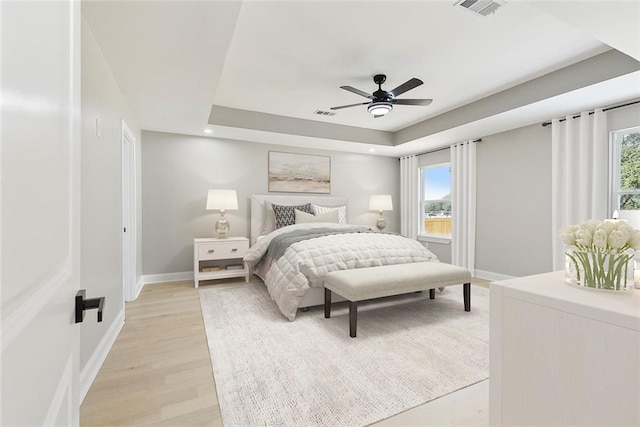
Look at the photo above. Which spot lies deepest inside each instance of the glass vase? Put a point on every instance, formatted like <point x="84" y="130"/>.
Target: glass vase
<point x="599" y="269"/>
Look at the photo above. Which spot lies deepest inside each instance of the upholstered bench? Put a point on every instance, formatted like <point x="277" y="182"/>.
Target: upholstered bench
<point x="375" y="282"/>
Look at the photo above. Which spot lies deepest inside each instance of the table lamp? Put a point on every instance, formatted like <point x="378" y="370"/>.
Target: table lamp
<point x="222" y="200"/>
<point x="380" y="202"/>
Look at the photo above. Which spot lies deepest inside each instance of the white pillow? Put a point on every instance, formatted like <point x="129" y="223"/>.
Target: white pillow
<point x="303" y="217"/>
<point x="342" y="211"/>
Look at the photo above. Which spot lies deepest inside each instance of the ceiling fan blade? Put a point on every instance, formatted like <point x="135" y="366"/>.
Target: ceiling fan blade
<point x="408" y="85"/>
<point x="357" y="91"/>
<point x="350" y="105"/>
<point x="422" y="102"/>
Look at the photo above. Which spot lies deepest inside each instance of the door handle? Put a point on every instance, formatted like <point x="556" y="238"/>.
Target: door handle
<point x="83" y="304"/>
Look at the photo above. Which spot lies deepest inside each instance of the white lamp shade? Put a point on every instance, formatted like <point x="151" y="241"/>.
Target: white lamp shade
<point x="380" y="202"/>
<point x="222" y="200"/>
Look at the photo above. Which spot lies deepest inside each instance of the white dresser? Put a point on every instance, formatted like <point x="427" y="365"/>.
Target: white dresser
<point x="560" y="355"/>
<point x="219" y="258"/>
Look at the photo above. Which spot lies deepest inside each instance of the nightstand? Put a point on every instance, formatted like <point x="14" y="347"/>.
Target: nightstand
<point x="219" y="258"/>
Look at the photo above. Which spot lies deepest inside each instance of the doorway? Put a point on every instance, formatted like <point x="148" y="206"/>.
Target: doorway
<point x="129" y="244"/>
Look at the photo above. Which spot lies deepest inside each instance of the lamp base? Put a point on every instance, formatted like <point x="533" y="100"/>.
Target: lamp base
<point x="222" y="226"/>
<point x="382" y="223"/>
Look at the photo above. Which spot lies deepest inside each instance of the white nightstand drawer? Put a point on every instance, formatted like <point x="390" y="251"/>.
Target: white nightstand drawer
<point x="220" y="250"/>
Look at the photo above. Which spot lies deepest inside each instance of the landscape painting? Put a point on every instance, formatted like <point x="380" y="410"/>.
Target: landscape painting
<point x="299" y="173"/>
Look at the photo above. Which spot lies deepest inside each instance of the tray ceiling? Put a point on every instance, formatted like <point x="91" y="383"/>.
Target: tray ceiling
<point x="174" y="61"/>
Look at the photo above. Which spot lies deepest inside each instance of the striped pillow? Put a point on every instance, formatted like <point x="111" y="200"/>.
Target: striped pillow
<point x="342" y="211"/>
<point x="303" y="217"/>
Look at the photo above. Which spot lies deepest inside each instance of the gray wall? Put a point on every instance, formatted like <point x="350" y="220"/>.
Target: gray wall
<point x="513" y="212"/>
<point x="513" y="229"/>
<point x="178" y="170"/>
<point x="513" y="200"/>
<point x="513" y="218"/>
<point x="513" y="222"/>
<point x="624" y="118"/>
<point x="101" y="193"/>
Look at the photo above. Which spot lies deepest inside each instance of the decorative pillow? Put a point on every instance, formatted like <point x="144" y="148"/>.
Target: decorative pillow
<point x="303" y="217"/>
<point x="285" y="215"/>
<point x="342" y="211"/>
<point x="270" y="218"/>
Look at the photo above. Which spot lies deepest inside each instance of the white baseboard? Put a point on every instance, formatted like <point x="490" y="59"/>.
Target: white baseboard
<point x="91" y="369"/>
<point x="489" y="275"/>
<point x="139" y="287"/>
<point x="168" y="277"/>
<point x="136" y="290"/>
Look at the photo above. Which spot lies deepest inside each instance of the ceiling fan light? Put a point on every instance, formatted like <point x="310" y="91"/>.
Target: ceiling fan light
<point x="378" y="109"/>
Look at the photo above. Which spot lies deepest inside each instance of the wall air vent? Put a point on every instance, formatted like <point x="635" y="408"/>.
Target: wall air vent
<point x="324" y="113"/>
<point x="480" y="7"/>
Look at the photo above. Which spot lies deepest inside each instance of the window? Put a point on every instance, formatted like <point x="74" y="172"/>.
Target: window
<point x="625" y="175"/>
<point x="435" y="206"/>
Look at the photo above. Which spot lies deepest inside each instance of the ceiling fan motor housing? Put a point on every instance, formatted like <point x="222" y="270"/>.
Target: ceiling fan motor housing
<point x="381" y="95"/>
<point x="379" y="79"/>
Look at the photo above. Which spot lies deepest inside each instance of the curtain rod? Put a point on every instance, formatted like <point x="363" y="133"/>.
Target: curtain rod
<point x="441" y="149"/>
<point x="545" y="124"/>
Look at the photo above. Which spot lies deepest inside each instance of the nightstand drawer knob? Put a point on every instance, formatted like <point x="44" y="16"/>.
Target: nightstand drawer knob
<point x="211" y="251"/>
<point x="234" y="250"/>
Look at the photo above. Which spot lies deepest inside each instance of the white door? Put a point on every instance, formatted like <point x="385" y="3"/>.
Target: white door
<point x="128" y="214"/>
<point x="40" y="215"/>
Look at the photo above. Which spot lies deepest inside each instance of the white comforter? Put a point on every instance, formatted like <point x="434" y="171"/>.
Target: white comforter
<point x="305" y="263"/>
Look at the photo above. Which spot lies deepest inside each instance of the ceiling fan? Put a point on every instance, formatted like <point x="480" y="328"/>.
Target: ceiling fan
<point x="382" y="101"/>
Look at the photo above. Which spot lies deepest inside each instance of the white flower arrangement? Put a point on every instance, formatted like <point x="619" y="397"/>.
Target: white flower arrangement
<point x="601" y="236"/>
<point x="600" y="252"/>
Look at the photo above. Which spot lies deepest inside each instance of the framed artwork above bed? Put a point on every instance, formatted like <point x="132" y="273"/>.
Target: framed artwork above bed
<point x="299" y="173"/>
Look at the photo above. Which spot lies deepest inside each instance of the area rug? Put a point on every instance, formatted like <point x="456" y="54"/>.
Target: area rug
<point x="309" y="372"/>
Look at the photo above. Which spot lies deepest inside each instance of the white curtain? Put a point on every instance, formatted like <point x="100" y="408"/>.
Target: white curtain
<point x="463" y="204"/>
<point x="409" y="196"/>
<point x="579" y="175"/>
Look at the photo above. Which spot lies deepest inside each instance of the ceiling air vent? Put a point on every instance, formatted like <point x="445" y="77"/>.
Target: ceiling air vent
<point x="480" y="7"/>
<point x="324" y="113"/>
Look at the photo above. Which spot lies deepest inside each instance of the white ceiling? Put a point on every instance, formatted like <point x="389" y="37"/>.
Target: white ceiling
<point x="268" y="65"/>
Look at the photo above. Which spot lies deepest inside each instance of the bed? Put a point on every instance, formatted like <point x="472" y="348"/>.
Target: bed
<point x="293" y="259"/>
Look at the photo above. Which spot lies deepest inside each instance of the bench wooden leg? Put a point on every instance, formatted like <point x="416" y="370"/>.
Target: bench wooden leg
<point x="432" y="293"/>
<point x="353" y="318"/>
<point x="466" y="293"/>
<point x="327" y="303"/>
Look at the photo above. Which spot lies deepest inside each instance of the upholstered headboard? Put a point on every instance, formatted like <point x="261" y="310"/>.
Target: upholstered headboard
<point x="262" y="219"/>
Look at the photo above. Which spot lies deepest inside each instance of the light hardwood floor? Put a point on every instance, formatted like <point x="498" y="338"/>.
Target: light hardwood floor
<point x="159" y="371"/>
